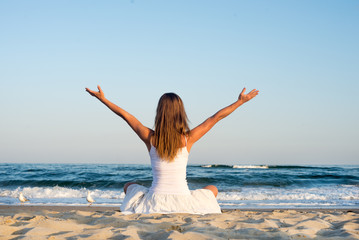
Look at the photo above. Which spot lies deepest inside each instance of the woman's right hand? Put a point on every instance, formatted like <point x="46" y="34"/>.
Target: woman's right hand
<point x="99" y="95"/>
<point x="246" y="97"/>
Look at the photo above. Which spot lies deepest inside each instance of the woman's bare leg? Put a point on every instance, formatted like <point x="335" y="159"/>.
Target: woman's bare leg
<point x="127" y="185"/>
<point x="213" y="189"/>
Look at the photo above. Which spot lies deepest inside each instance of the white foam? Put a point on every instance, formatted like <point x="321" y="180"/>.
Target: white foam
<point x="264" y="194"/>
<point x="343" y="195"/>
<point x="237" y="166"/>
<point x="60" y="195"/>
<point x="207" y="166"/>
<point x="251" y="166"/>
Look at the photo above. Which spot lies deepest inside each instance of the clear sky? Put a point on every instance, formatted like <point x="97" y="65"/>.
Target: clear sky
<point x="303" y="56"/>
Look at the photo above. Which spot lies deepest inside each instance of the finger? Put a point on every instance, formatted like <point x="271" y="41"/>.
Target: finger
<point x="99" y="88"/>
<point x="92" y="93"/>
<point x="244" y="89"/>
<point x="254" y="91"/>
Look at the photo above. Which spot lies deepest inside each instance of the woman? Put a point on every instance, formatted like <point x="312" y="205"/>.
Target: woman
<point x="169" y="145"/>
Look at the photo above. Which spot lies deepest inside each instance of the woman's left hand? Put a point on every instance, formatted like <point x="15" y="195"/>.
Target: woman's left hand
<point x="99" y="95"/>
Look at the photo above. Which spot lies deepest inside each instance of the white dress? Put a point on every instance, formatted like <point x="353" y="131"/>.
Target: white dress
<point x="169" y="192"/>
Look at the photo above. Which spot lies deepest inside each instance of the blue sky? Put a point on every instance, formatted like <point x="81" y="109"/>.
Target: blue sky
<point x="303" y="56"/>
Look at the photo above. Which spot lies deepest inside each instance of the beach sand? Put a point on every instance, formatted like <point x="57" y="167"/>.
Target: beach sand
<point x="57" y="222"/>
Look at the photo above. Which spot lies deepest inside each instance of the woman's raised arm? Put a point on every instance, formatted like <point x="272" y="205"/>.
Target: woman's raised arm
<point x="143" y="132"/>
<point x="199" y="131"/>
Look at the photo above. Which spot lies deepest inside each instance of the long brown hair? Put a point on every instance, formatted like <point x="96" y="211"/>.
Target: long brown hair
<point x="170" y="124"/>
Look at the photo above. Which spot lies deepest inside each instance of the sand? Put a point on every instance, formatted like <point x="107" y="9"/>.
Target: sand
<point x="56" y="222"/>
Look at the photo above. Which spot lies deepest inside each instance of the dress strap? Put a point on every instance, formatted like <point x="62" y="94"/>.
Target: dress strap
<point x="151" y="139"/>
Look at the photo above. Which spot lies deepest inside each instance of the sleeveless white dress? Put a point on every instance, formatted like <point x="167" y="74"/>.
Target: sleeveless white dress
<point x="169" y="192"/>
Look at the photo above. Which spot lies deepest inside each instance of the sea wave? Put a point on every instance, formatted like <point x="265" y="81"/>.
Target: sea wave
<point x="326" y="193"/>
<point x="251" y="166"/>
<point x="296" y="194"/>
<point x="247" y="197"/>
<point x="332" y="168"/>
<point x="234" y="166"/>
<point x="60" y="192"/>
<point x="239" y="184"/>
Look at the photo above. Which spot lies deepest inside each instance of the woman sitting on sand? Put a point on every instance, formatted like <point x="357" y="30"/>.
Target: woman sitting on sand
<point x="169" y="145"/>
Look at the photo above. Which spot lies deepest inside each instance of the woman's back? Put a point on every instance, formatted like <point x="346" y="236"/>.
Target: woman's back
<point x="169" y="177"/>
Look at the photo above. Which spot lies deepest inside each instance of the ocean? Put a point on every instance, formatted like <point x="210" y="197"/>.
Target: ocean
<point x="240" y="187"/>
